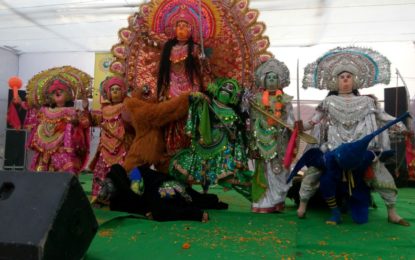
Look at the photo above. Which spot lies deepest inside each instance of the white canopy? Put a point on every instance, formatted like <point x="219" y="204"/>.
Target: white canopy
<point x="28" y="26"/>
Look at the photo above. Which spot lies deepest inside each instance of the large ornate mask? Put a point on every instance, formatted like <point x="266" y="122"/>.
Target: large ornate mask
<point x="113" y="89"/>
<point x="58" y="92"/>
<point x="368" y="67"/>
<point x="182" y="23"/>
<point x="272" y="81"/>
<point x="183" y="31"/>
<point x="272" y="75"/>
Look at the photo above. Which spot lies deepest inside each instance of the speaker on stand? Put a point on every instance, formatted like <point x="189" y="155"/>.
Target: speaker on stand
<point x="15" y="146"/>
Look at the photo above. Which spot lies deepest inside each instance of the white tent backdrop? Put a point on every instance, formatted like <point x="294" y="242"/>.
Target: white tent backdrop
<point x="298" y="29"/>
<point x="92" y="25"/>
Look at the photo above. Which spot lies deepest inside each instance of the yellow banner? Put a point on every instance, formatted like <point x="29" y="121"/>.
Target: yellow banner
<point x="102" y="65"/>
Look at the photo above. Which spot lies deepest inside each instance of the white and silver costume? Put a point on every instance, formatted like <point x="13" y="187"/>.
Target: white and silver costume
<point x="346" y="118"/>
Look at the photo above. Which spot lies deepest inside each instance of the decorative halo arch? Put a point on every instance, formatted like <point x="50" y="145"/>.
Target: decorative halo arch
<point x="234" y="40"/>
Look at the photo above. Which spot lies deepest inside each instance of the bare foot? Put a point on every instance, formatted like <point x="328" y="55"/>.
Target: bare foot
<point x="205" y="217"/>
<point x="394" y="218"/>
<point x="401" y="222"/>
<point x="302" y="209"/>
<point x="300" y="214"/>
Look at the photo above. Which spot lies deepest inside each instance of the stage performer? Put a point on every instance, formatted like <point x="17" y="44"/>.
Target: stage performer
<point x="61" y="136"/>
<point x="218" y="151"/>
<point x="345" y="116"/>
<point x="177" y="46"/>
<point x="182" y="68"/>
<point x="161" y="198"/>
<point x="270" y="139"/>
<point x="116" y="134"/>
<point x="148" y="117"/>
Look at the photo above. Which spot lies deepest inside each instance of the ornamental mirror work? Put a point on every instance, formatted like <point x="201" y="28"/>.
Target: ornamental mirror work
<point x="368" y="67"/>
<point x="73" y="83"/>
<point x="227" y="32"/>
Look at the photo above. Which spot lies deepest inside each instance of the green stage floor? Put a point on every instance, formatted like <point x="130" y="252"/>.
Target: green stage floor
<point x="237" y="233"/>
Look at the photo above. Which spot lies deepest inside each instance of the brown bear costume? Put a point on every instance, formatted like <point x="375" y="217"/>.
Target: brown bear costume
<point x="148" y="119"/>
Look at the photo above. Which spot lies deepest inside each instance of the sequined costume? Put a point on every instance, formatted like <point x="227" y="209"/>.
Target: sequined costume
<point x="217" y="154"/>
<point x="58" y="144"/>
<point x="232" y="38"/>
<point x="180" y="82"/>
<point x="269" y="187"/>
<point x="115" y="138"/>
<point x="343" y="118"/>
<point x="225" y="40"/>
<point x="60" y="133"/>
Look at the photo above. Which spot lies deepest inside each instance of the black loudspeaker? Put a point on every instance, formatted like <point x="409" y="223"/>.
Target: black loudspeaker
<point x="396" y="101"/>
<point x="44" y="216"/>
<point x="15" y="151"/>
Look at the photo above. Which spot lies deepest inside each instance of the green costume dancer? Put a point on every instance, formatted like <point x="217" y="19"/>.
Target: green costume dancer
<point x="270" y="139"/>
<point x="217" y="153"/>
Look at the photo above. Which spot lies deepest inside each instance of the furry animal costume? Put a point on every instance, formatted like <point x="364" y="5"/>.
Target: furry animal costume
<point x="148" y="119"/>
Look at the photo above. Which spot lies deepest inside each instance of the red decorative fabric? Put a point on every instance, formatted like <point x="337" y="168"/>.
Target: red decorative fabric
<point x="13" y="117"/>
<point x="290" y="153"/>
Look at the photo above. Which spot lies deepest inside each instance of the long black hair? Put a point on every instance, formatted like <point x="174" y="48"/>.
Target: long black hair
<point x="191" y="65"/>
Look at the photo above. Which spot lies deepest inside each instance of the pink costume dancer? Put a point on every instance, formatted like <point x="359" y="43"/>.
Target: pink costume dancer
<point x="179" y="72"/>
<point x="115" y="140"/>
<point x="60" y="139"/>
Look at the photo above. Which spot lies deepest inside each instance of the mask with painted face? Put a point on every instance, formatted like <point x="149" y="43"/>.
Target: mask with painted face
<point x="226" y="91"/>
<point x="183" y="31"/>
<point x="272" y="81"/>
<point x="272" y="75"/>
<point x="116" y="94"/>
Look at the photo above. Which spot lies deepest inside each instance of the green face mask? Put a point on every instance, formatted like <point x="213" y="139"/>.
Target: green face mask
<point x="226" y="92"/>
<point x="224" y="97"/>
<point x="271" y="81"/>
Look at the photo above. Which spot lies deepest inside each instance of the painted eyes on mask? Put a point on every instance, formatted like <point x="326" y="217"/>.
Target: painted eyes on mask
<point x="229" y="87"/>
<point x="272" y="77"/>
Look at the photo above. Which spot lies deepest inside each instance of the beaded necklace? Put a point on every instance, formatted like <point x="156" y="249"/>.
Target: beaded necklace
<point x="179" y="53"/>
